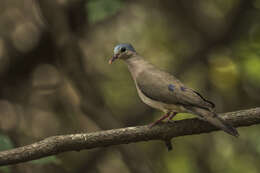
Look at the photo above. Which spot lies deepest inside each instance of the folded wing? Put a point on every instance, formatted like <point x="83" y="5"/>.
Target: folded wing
<point x="163" y="87"/>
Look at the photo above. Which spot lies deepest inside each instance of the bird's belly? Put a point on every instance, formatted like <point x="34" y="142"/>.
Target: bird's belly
<point x="160" y="105"/>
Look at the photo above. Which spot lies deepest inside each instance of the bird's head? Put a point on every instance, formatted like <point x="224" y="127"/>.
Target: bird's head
<point x="122" y="51"/>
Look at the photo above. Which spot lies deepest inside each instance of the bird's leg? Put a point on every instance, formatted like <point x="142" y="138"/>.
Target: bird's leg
<point x="159" y="120"/>
<point x="172" y="115"/>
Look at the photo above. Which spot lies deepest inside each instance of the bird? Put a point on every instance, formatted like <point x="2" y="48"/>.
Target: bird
<point x="163" y="91"/>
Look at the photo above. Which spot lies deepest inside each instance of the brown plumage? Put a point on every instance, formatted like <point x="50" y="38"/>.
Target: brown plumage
<point x="163" y="91"/>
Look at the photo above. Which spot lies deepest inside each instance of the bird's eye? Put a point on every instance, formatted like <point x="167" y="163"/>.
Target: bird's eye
<point x="123" y="49"/>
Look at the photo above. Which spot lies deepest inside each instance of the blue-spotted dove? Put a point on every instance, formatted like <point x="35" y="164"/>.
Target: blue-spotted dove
<point x="163" y="91"/>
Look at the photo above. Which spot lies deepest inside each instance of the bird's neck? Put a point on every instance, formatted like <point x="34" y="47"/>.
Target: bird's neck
<point x="135" y="65"/>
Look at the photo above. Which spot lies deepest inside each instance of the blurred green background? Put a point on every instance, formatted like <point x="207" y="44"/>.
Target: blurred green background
<point x="55" y="79"/>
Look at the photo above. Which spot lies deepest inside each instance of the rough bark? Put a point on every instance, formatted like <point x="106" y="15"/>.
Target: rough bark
<point x="165" y="131"/>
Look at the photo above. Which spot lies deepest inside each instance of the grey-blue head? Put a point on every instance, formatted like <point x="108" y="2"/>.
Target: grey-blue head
<point x="122" y="51"/>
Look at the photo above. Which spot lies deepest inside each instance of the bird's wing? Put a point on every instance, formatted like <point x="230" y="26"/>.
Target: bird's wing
<point x="163" y="87"/>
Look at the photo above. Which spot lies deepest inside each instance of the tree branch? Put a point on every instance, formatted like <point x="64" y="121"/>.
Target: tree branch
<point x="165" y="131"/>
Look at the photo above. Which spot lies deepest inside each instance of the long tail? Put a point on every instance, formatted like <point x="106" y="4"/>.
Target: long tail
<point x="214" y="119"/>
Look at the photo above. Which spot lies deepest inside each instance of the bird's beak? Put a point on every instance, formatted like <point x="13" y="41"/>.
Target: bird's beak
<point x="113" y="58"/>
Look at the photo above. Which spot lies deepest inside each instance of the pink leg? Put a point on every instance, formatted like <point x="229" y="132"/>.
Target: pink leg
<point x="172" y="115"/>
<point x="159" y="120"/>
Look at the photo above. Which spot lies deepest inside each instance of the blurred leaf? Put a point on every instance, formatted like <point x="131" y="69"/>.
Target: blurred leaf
<point x="5" y="169"/>
<point x="5" y="142"/>
<point x="256" y="4"/>
<point x="100" y="9"/>
<point x="226" y="6"/>
<point x="181" y="163"/>
<point x="224" y="72"/>
<point x="254" y="35"/>
<point x="251" y="67"/>
<point x="242" y="164"/>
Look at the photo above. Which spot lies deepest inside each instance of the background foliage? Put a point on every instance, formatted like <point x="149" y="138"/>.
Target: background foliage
<point x="55" y="78"/>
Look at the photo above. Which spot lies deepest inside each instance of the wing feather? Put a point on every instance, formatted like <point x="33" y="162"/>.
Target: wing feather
<point x="161" y="86"/>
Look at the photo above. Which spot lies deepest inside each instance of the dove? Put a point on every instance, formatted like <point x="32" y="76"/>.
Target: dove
<point x="161" y="90"/>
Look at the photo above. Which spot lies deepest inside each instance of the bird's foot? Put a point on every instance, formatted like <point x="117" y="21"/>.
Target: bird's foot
<point x="171" y="117"/>
<point x="159" y="120"/>
<point x="172" y="114"/>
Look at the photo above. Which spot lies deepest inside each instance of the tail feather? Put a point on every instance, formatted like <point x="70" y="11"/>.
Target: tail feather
<point x="214" y="119"/>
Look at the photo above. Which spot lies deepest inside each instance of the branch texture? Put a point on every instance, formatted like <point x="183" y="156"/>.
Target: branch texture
<point x="164" y="131"/>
